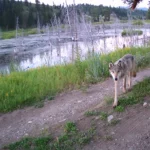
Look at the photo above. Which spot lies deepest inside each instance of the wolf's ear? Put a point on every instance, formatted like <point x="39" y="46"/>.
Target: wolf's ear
<point x="119" y="63"/>
<point x="110" y="65"/>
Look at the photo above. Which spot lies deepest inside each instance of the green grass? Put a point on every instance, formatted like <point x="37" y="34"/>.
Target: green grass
<point x="106" y="22"/>
<point x="92" y="113"/>
<point x="131" y="32"/>
<point x="138" y="22"/>
<point x="12" y="34"/>
<point x="74" y="139"/>
<point x="137" y="94"/>
<point x="103" y="115"/>
<point x="119" y="109"/>
<point x="8" y="34"/>
<point x="108" y="100"/>
<point x="139" y="91"/>
<point x="26" y="143"/>
<point x="19" y="89"/>
<point x="147" y="21"/>
<point x="114" y="122"/>
<point x="70" y="127"/>
<point x="30" y="31"/>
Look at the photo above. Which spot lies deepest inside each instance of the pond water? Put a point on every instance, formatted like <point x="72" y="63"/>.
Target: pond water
<point x="47" y="49"/>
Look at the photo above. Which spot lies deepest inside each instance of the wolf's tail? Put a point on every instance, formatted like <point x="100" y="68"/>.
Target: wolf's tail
<point x="134" y="68"/>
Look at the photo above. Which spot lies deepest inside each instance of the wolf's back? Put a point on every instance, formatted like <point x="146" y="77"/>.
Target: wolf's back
<point x="131" y="63"/>
<point x="133" y="67"/>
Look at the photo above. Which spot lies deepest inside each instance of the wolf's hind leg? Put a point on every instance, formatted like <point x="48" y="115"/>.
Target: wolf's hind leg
<point x="129" y="79"/>
<point x="124" y="84"/>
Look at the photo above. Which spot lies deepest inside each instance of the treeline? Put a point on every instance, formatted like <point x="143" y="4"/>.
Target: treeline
<point x="29" y="14"/>
<point x="121" y="13"/>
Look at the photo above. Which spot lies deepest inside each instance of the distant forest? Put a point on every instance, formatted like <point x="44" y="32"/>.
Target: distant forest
<point x="29" y="14"/>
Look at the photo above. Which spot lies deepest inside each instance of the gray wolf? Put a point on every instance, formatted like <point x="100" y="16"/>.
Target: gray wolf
<point x="124" y="68"/>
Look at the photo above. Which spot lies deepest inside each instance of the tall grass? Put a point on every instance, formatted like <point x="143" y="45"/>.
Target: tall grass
<point x="18" y="89"/>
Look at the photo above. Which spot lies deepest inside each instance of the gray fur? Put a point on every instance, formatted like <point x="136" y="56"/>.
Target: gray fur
<point x="123" y="65"/>
<point x="123" y="68"/>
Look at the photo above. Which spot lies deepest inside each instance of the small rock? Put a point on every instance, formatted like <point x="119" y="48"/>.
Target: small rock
<point x="29" y="121"/>
<point x="113" y="133"/>
<point x="144" y="104"/>
<point x="109" y="118"/>
<point x="96" y="118"/>
<point x="62" y="120"/>
<point x="9" y="127"/>
<point x="26" y="134"/>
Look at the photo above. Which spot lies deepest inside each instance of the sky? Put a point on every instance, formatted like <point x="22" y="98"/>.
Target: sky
<point x="113" y="3"/>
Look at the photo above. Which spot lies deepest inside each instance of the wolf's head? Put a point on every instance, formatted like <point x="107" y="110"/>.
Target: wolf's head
<point x="115" y="70"/>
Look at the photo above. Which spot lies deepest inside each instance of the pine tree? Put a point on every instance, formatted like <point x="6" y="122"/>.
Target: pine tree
<point x="37" y="3"/>
<point x="148" y="14"/>
<point x="26" y="2"/>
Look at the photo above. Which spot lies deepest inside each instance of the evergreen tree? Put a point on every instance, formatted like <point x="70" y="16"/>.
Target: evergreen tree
<point x="148" y="14"/>
<point x="26" y="2"/>
<point x="37" y="2"/>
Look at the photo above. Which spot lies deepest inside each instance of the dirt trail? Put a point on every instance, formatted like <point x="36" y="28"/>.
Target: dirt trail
<point x="66" y="106"/>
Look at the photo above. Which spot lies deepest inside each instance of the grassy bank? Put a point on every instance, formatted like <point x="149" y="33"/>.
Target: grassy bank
<point x="20" y="89"/>
<point x="137" y="94"/>
<point x="12" y="34"/>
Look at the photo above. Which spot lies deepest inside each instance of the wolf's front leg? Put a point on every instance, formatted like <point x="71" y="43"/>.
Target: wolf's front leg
<point x="116" y="95"/>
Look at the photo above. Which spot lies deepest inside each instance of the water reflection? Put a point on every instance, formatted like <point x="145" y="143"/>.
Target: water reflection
<point x="43" y="50"/>
<point x="68" y="52"/>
